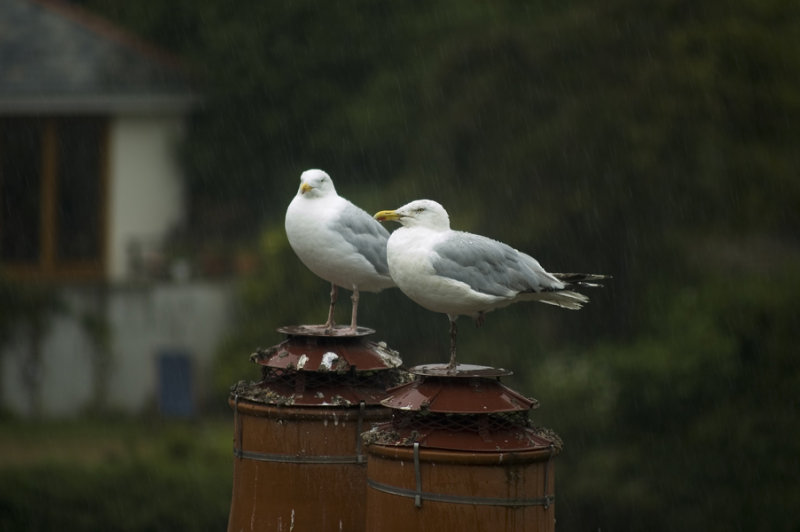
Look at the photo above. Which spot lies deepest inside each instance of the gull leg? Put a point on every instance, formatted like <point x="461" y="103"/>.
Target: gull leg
<point x="453" y="332"/>
<point x="330" y="324"/>
<point x="354" y="299"/>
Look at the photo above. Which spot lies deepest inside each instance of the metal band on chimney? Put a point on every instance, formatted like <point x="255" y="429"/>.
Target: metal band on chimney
<point x="545" y="501"/>
<point x="297" y="459"/>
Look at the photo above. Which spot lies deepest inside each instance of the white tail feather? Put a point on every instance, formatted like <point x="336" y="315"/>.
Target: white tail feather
<point x="562" y="298"/>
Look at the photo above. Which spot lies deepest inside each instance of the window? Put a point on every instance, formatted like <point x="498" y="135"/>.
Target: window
<point x="52" y="196"/>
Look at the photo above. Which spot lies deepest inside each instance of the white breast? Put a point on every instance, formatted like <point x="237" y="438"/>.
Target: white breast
<point x="409" y="252"/>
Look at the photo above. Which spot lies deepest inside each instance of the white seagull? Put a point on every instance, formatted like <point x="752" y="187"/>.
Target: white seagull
<point x="337" y="241"/>
<point x="458" y="273"/>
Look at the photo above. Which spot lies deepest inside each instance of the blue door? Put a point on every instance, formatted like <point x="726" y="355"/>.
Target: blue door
<point x="175" y="384"/>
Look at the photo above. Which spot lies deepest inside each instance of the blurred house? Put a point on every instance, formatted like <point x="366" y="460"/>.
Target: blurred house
<point x="90" y="192"/>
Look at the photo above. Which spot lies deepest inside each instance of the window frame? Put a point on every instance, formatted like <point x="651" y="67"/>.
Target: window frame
<point x="49" y="266"/>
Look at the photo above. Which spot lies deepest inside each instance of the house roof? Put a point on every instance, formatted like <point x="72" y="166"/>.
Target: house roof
<point x="56" y="58"/>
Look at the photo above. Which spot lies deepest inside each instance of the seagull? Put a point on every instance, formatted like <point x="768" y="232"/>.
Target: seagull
<point x="458" y="273"/>
<point x="337" y="241"/>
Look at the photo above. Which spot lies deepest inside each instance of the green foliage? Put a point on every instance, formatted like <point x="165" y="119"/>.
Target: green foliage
<point x="689" y="421"/>
<point x="655" y="141"/>
<point x="586" y="113"/>
<point x="120" y="476"/>
<point x="137" y="498"/>
<point x="31" y="304"/>
<point x="27" y="309"/>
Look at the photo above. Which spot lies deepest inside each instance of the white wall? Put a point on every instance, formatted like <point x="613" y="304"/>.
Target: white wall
<point x="190" y="317"/>
<point x="146" y="191"/>
<point x="145" y="319"/>
<point x="64" y="374"/>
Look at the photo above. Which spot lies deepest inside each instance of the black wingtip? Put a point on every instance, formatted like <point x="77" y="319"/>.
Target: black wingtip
<point x="578" y="277"/>
<point x="587" y="280"/>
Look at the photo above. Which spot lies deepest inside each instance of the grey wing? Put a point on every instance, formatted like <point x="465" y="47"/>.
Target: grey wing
<point x="490" y="267"/>
<point x="365" y="234"/>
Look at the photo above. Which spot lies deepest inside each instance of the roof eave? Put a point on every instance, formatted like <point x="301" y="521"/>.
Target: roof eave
<point x="98" y="103"/>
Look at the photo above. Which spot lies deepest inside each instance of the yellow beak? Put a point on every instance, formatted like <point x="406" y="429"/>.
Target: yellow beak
<point x="305" y="187"/>
<point x="386" y="216"/>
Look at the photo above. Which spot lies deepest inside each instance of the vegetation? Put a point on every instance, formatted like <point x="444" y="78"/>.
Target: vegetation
<point x="28" y="309"/>
<point x="655" y="141"/>
<point x="121" y="475"/>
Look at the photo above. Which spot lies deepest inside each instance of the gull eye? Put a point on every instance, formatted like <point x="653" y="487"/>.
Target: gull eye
<point x="419" y="210"/>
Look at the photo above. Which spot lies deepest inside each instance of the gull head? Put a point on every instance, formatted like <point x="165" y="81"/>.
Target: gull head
<point x="315" y="183"/>
<point x="419" y="213"/>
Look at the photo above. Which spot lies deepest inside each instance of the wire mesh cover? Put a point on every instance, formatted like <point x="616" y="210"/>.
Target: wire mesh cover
<point x="464" y="432"/>
<point x="308" y="352"/>
<point x="314" y="367"/>
<point x="463" y="408"/>
<point x="311" y="388"/>
<point x="458" y="395"/>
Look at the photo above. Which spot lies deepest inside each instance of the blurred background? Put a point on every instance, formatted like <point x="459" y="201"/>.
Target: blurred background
<point x="148" y="151"/>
